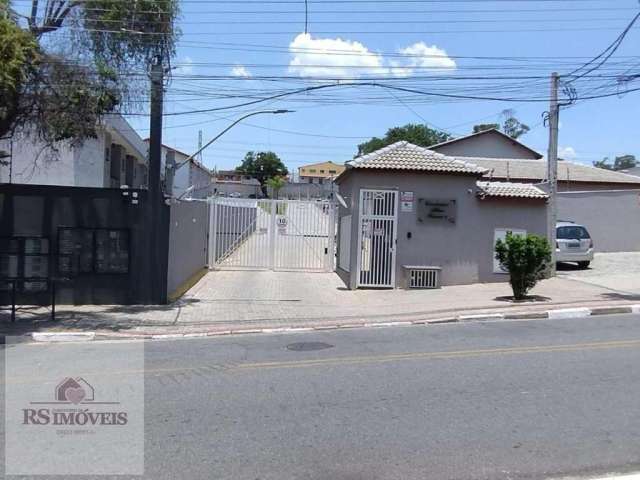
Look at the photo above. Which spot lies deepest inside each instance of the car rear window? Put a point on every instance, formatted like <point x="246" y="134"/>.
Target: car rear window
<point x="572" y="233"/>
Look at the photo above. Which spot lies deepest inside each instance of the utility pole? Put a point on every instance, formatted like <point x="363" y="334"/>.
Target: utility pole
<point x="552" y="170"/>
<point x="158" y="236"/>
<point x="200" y="146"/>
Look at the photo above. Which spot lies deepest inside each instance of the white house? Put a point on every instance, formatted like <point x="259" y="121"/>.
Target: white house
<point x="187" y="174"/>
<point x="117" y="157"/>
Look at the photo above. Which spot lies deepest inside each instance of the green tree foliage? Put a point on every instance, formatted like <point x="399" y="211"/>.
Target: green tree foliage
<point x="622" y="162"/>
<point x="510" y="125"/>
<point x="64" y="88"/>
<point x="485" y="126"/>
<point x="262" y="166"/>
<point x="417" y="134"/>
<point x="19" y="59"/>
<point x="514" y="128"/>
<point x="276" y="184"/>
<point x="526" y="258"/>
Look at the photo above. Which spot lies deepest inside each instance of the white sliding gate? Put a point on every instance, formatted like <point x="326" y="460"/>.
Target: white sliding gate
<point x="377" y="238"/>
<point x="271" y="234"/>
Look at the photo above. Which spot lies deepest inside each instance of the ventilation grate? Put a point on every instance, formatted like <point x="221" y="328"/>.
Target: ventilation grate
<point x="424" y="277"/>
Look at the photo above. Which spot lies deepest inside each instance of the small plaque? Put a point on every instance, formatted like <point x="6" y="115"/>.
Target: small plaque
<point x="436" y="210"/>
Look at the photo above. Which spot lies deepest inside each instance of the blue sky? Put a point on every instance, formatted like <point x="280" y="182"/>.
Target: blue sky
<point x="225" y="46"/>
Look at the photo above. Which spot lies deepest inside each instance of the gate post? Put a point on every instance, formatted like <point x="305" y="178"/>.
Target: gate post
<point x="331" y="243"/>
<point x="213" y="231"/>
<point x="272" y="233"/>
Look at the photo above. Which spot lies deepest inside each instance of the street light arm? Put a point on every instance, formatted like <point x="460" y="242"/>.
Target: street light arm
<point x="191" y="157"/>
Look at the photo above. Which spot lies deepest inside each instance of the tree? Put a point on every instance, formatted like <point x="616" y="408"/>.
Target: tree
<point x="485" y="126"/>
<point x="622" y="162"/>
<point x="510" y="125"/>
<point x="262" y="166"/>
<point x="61" y="88"/>
<point x="525" y="257"/>
<point x="276" y="184"/>
<point x="420" y="135"/>
<point x="604" y="163"/>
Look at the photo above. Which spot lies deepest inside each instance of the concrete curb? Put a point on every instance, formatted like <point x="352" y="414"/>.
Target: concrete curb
<point x="556" y="314"/>
<point x="62" y="336"/>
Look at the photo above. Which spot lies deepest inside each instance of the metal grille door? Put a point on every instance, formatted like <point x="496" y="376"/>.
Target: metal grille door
<point x="272" y="234"/>
<point x="377" y="239"/>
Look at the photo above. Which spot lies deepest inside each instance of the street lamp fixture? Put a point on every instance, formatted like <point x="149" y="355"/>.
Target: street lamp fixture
<point x="191" y="157"/>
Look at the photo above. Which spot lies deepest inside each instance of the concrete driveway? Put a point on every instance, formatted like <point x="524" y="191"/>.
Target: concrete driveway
<point x="618" y="272"/>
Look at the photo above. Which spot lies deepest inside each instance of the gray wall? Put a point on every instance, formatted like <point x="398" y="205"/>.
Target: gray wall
<point x="612" y="217"/>
<point x="304" y="191"/>
<point x="464" y="250"/>
<point x="187" y="243"/>
<point x="488" y="145"/>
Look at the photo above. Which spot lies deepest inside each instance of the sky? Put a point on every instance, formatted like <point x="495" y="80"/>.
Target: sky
<point x="237" y="51"/>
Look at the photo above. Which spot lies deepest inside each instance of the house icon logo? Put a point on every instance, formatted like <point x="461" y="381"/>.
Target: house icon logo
<point x="74" y="390"/>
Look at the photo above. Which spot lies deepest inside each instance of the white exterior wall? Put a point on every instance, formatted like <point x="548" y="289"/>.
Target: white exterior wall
<point x="33" y="164"/>
<point x="89" y="163"/>
<point x="85" y="165"/>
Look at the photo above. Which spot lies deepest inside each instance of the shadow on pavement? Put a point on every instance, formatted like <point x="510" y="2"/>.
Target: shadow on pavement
<point x="115" y="318"/>
<point x="527" y="299"/>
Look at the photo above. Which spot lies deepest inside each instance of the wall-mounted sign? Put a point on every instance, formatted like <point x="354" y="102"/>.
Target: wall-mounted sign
<point x="406" y="201"/>
<point x="406" y="196"/>
<point x="406" y="206"/>
<point x="434" y="210"/>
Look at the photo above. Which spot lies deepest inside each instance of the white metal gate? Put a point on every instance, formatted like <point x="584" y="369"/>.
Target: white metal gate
<point x="271" y="234"/>
<point x="377" y="238"/>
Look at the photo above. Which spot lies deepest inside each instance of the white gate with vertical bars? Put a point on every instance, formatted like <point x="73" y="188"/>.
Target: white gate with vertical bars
<point x="252" y="234"/>
<point x="377" y="238"/>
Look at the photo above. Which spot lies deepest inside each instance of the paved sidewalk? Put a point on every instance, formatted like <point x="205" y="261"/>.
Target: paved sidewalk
<point x="232" y="300"/>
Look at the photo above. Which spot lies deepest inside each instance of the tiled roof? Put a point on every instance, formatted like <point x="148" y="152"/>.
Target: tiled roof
<point x="536" y="170"/>
<point x="511" y="190"/>
<point x="406" y="156"/>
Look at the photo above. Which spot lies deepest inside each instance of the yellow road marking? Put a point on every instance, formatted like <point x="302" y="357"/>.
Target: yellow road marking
<point x="366" y="359"/>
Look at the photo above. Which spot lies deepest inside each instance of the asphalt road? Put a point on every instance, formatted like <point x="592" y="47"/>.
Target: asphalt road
<point x="499" y="400"/>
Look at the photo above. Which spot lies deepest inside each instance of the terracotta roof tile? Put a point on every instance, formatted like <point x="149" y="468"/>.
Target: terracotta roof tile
<point x="406" y="156"/>
<point x="510" y="190"/>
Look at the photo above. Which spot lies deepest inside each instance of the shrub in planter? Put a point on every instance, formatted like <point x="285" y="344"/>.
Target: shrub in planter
<point x="526" y="258"/>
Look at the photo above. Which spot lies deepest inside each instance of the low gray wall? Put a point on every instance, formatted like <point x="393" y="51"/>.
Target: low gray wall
<point x="187" y="245"/>
<point x="611" y="216"/>
<point x="305" y="191"/>
<point x="226" y="189"/>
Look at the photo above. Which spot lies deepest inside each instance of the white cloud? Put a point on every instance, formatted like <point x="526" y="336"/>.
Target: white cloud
<point x="317" y="57"/>
<point x="338" y="58"/>
<point x="240" y="71"/>
<point x="567" y="153"/>
<point x="426" y="58"/>
<point x="185" y="66"/>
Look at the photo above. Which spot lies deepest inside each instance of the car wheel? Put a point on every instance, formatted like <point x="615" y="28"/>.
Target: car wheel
<point x="583" y="265"/>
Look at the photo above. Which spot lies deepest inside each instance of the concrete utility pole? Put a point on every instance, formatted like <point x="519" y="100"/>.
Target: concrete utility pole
<point x="155" y="201"/>
<point x="552" y="170"/>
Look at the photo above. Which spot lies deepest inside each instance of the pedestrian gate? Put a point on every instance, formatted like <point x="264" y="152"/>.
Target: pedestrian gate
<point x="377" y="238"/>
<point x="271" y="234"/>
